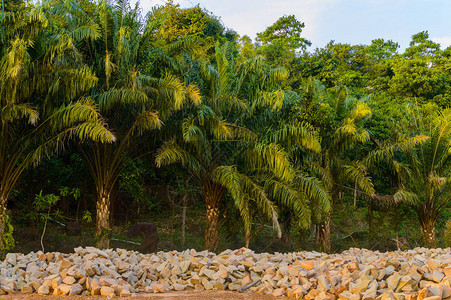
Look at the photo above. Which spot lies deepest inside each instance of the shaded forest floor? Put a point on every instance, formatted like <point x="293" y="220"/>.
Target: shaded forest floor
<point x="350" y="228"/>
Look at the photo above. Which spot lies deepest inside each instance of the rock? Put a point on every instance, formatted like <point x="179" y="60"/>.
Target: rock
<point x="347" y="295"/>
<point x="105" y="281"/>
<point x="219" y="286"/>
<point x="278" y="292"/>
<point x="91" y="268"/>
<point x="158" y="288"/>
<point x="76" y="289"/>
<point x="95" y="287"/>
<point x="371" y="292"/>
<point x="179" y="287"/>
<point x="44" y="290"/>
<point x="308" y="264"/>
<point x="56" y="292"/>
<point x="11" y="258"/>
<point x="64" y="289"/>
<point x="437" y="276"/>
<point x="65" y="264"/>
<point x="27" y="289"/>
<point x="69" y="280"/>
<point x="125" y="293"/>
<point x="393" y="281"/>
<point x="353" y="273"/>
<point x="323" y="283"/>
<point x="107" y="291"/>
<point x="433" y="263"/>
<point x="35" y="285"/>
<point x="362" y="284"/>
<point x="207" y="284"/>
<point x="184" y="266"/>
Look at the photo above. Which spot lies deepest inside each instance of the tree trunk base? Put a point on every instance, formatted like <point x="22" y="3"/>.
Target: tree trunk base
<point x="2" y="224"/>
<point x="103" y="222"/>
<point x="428" y="232"/>
<point x="323" y="235"/>
<point x="212" y="230"/>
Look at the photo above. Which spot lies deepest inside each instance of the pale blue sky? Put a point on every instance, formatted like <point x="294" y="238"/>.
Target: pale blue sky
<point x="345" y="21"/>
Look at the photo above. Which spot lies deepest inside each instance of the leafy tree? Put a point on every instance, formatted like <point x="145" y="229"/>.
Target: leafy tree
<point x="286" y="31"/>
<point x="246" y="48"/>
<point x="282" y="41"/>
<point x="381" y="50"/>
<point x="335" y="65"/>
<point x="421" y="73"/>
<point x="45" y="203"/>
<point x="169" y="23"/>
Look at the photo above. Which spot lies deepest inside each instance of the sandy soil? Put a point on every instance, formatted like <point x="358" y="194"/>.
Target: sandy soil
<point x="192" y="295"/>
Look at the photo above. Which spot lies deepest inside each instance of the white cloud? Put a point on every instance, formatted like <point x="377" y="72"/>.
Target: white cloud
<point x="443" y="41"/>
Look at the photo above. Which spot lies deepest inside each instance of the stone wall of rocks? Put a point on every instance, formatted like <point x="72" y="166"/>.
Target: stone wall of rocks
<point x="354" y="274"/>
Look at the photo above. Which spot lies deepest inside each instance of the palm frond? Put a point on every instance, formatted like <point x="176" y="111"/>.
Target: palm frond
<point x="146" y="121"/>
<point x="10" y="113"/>
<point x="271" y="158"/>
<point x="89" y="31"/>
<point x="314" y="190"/>
<point x="296" y="134"/>
<point x="290" y="197"/>
<point x="170" y="152"/>
<point x="243" y="189"/>
<point x="357" y="172"/>
<point x="385" y="153"/>
<point x="114" y="97"/>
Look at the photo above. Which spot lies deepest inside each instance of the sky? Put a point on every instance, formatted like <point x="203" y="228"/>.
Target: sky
<point x="345" y="21"/>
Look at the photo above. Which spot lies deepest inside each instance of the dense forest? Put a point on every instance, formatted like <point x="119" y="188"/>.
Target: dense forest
<point x="110" y="117"/>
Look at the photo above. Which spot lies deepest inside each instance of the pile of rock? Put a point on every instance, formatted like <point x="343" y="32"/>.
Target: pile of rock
<point x="354" y="274"/>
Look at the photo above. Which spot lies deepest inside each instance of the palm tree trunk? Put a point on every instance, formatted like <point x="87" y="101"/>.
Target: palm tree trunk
<point x="2" y="221"/>
<point x="247" y="239"/>
<point x="212" y="230"/>
<point x="103" y="220"/>
<point x="212" y="194"/>
<point x="323" y="234"/>
<point x="428" y="232"/>
<point x="183" y="221"/>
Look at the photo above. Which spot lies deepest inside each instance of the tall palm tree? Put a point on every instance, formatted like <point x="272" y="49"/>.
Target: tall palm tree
<point x="41" y="103"/>
<point x="343" y="119"/>
<point x="224" y="156"/>
<point x="134" y="103"/>
<point x="420" y="160"/>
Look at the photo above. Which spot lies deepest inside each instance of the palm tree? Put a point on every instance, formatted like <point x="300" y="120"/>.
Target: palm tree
<point x="40" y="97"/>
<point x="133" y="103"/>
<point x="224" y="156"/>
<point x="342" y="118"/>
<point x="420" y="160"/>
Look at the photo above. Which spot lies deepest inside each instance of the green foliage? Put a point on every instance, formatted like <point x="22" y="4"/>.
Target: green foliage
<point x="8" y="238"/>
<point x="286" y="31"/>
<point x="45" y="202"/>
<point x="447" y="234"/>
<point x="87" y="217"/>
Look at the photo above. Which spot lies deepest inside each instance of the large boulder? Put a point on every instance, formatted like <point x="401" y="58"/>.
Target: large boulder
<point x="149" y="233"/>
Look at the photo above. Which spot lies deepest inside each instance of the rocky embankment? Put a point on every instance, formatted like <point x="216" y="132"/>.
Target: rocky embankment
<point x="354" y="274"/>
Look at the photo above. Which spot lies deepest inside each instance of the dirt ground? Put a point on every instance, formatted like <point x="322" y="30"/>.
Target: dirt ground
<point x="192" y="295"/>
